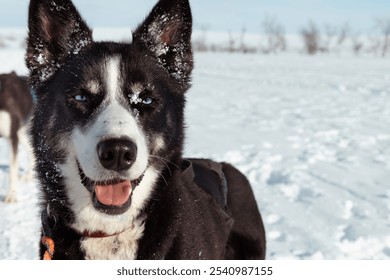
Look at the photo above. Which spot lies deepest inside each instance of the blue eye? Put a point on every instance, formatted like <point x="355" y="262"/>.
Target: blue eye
<point x="81" y="98"/>
<point x="147" y="101"/>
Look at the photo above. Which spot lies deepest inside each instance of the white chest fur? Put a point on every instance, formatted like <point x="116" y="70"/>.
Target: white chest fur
<point x="123" y="246"/>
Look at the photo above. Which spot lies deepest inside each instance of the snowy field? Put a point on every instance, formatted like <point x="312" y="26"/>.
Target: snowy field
<point x="311" y="133"/>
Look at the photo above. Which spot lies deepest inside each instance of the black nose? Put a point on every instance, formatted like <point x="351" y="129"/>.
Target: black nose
<point x="117" y="154"/>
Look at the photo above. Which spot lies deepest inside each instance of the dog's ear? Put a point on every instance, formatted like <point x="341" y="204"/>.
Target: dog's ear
<point x="166" y="33"/>
<point x="56" y="30"/>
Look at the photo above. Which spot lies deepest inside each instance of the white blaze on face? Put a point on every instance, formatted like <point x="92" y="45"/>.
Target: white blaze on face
<point x="113" y="77"/>
<point x="115" y="121"/>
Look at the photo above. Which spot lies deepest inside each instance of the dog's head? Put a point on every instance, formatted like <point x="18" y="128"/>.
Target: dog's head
<point x="108" y="115"/>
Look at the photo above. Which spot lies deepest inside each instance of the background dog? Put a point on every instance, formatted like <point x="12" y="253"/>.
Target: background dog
<point x="108" y="134"/>
<point x="15" y="108"/>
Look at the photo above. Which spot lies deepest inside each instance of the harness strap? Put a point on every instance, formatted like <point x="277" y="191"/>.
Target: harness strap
<point x="210" y="177"/>
<point x="217" y="168"/>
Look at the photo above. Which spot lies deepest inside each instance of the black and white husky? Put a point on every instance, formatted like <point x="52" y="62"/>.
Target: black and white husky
<point x="15" y="108"/>
<point x="108" y="134"/>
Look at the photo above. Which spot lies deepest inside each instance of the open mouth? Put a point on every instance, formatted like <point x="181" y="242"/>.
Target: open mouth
<point x="113" y="196"/>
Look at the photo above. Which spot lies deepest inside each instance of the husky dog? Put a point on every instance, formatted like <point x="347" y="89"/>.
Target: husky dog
<point x="15" y="107"/>
<point x="108" y="134"/>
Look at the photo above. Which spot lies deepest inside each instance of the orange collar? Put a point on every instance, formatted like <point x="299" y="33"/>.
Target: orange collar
<point x="49" y="244"/>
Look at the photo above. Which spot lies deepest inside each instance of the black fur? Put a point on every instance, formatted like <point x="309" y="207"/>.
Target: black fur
<point x="182" y="221"/>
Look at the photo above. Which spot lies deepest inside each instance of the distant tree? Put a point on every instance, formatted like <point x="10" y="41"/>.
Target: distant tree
<point x="275" y="35"/>
<point x="243" y="46"/>
<point x="357" y="44"/>
<point x="311" y="38"/>
<point x="330" y="35"/>
<point x="200" y="44"/>
<point x="343" y="33"/>
<point x="383" y="26"/>
<point x="375" y="43"/>
<point x="333" y="37"/>
<point x="231" y="42"/>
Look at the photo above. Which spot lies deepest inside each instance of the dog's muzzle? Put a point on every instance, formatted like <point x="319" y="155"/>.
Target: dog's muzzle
<point x="113" y="196"/>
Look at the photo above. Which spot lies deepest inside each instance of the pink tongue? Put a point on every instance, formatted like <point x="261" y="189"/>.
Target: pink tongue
<point x="114" y="195"/>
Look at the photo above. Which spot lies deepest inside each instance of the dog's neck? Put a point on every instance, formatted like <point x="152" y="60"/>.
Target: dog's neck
<point x="128" y="238"/>
<point x="50" y="221"/>
<point x="100" y="234"/>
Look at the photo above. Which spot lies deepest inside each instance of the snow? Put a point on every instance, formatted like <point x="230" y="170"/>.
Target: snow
<point x="134" y="97"/>
<point x="310" y="133"/>
<point x="155" y="32"/>
<point x="19" y="222"/>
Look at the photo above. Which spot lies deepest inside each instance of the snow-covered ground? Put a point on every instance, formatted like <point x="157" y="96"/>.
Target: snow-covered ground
<point x="313" y="136"/>
<point x="311" y="133"/>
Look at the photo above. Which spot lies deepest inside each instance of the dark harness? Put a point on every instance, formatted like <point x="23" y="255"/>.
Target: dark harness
<point x="210" y="177"/>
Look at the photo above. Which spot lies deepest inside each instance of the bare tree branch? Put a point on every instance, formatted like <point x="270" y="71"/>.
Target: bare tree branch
<point x="275" y="35"/>
<point x="311" y="37"/>
<point x="383" y="25"/>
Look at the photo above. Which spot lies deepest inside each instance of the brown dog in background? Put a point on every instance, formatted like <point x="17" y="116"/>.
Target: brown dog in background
<point x="15" y="107"/>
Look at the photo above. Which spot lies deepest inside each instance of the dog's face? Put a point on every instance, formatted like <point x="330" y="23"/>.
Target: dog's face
<point x="108" y="116"/>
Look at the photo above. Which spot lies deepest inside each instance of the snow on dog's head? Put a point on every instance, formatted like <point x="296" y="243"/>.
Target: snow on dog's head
<point x="109" y="116"/>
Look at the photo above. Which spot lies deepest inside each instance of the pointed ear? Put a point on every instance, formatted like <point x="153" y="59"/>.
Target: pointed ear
<point x="166" y="33"/>
<point x="56" y="30"/>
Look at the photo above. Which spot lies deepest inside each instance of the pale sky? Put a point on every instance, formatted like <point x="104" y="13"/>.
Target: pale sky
<point x="221" y="15"/>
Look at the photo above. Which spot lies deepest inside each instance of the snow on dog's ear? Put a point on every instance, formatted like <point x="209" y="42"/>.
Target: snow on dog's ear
<point x="56" y="30"/>
<point x="166" y="33"/>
